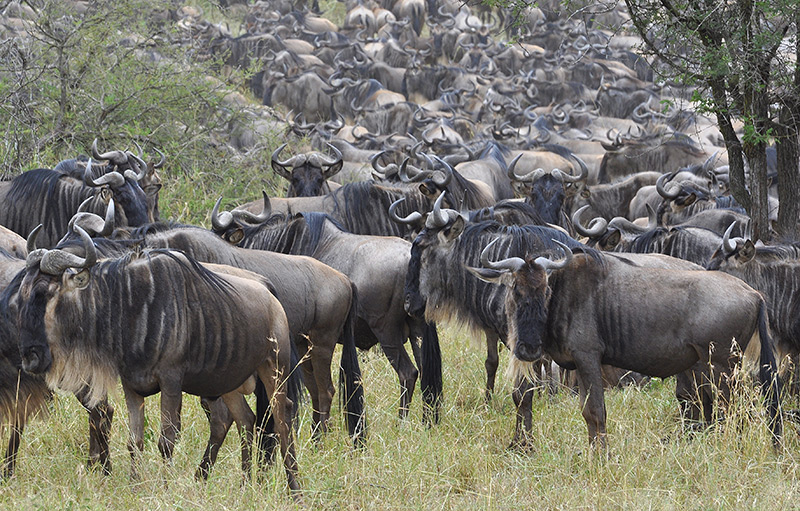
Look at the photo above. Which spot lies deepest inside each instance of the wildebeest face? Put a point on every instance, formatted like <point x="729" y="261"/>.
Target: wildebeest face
<point x="526" y="308"/>
<point x="726" y="260"/>
<point x="547" y="196"/>
<point x="35" y="293"/>
<point x="39" y="296"/>
<point x="430" y="245"/>
<point x="133" y="202"/>
<point x="306" y="181"/>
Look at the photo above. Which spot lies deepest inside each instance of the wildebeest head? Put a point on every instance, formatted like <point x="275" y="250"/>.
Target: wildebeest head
<point x="122" y="176"/>
<point x="49" y="274"/>
<point x="527" y="297"/>
<point x="545" y="191"/>
<point x="733" y="253"/>
<point x="307" y="173"/>
<point x="442" y="227"/>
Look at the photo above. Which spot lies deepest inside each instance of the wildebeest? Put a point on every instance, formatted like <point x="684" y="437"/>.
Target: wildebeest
<point x="361" y="208"/>
<point x="439" y="288"/>
<point x="377" y="265"/>
<point x="307" y="174"/>
<point x="319" y="302"/>
<point x="160" y="322"/>
<point x="637" y="318"/>
<point x="772" y="270"/>
<point x="50" y="197"/>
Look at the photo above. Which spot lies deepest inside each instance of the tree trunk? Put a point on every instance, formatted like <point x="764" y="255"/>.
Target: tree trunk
<point x="788" y="147"/>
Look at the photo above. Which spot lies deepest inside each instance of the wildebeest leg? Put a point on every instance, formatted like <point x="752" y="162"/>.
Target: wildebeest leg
<point x="245" y="422"/>
<point x="590" y="380"/>
<point x="310" y="382"/>
<point x="100" y="418"/>
<point x="282" y="410"/>
<point x="135" y="404"/>
<point x="392" y="345"/>
<point x="492" y="361"/>
<point x="695" y="403"/>
<point x="523" y="400"/>
<point x="14" y="441"/>
<point x="321" y="356"/>
<point x="170" y="419"/>
<point x="219" y="422"/>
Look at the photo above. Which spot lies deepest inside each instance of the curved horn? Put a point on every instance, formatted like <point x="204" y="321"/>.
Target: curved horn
<point x="280" y="166"/>
<point x="511" y="264"/>
<point x="31" y="242"/>
<point x="162" y="161"/>
<point x="448" y="173"/>
<point x="54" y="262"/>
<point x="549" y="264"/>
<point x="93" y="223"/>
<point x="115" y="157"/>
<point x="661" y="186"/>
<point x="220" y="222"/>
<point x="530" y="176"/>
<point x="419" y="175"/>
<point x="437" y="217"/>
<point x="412" y="218"/>
<point x="114" y="178"/>
<point x="382" y="170"/>
<point x="597" y="226"/>
<point x="333" y="165"/>
<point x="85" y="205"/>
<point x="138" y="167"/>
<point x="248" y="217"/>
<point x="728" y="244"/>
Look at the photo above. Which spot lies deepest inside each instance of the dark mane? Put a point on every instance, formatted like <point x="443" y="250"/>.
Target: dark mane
<point x="363" y="208"/>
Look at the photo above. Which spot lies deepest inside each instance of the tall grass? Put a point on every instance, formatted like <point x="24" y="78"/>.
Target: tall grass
<point x="462" y="463"/>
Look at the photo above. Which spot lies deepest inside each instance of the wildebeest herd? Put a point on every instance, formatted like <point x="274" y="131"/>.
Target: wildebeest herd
<point x="531" y="191"/>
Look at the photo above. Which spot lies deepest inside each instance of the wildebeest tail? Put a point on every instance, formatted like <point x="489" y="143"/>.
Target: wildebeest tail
<point x="768" y="376"/>
<point x="268" y="439"/>
<point x="265" y="424"/>
<point x="351" y="388"/>
<point x="431" y="378"/>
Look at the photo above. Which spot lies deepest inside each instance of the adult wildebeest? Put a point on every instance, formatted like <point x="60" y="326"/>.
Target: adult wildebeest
<point x="637" y="318"/>
<point x="772" y="270"/>
<point x="50" y="197"/>
<point x="319" y="302"/>
<point x="308" y="174"/>
<point x="377" y="265"/>
<point x="361" y="208"/>
<point x="160" y="322"/>
<point x="439" y="288"/>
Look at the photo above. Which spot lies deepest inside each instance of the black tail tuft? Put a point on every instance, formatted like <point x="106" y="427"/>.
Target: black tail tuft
<point x="351" y="389"/>
<point x="265" y="425"/>
<point x="431" y="378"/>
<point x="768" y="376"/>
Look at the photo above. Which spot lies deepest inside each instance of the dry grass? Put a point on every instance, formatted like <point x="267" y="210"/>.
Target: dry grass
<point x="462" y="463"/>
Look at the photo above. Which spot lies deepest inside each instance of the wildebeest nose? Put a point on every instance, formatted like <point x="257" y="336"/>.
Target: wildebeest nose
<point x="528" y="353"/>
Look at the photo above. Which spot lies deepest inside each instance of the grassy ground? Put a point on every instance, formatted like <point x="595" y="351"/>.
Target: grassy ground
<point x="462" y="463"/>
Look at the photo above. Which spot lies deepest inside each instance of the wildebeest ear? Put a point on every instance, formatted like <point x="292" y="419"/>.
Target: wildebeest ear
<point x="585" y="193"/>
<point x="106" y="194"/>
<point x="78" y="280"/>
<point x="488" y="274"/>
<point x="426" y="191"/>
<point x="612" y="240"/>
<point x="747" y="252"/>
<point x="455" y="230"/>
<point x="236" y="236"/>
<point x="690" y="199"/>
